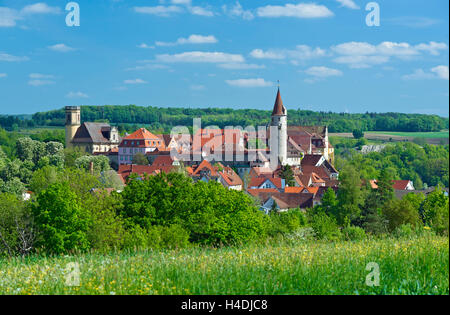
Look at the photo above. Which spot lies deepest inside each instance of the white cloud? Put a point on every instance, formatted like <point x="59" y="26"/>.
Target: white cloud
<point x="60" y="48"/>
<point x="349" y="4"/>
<point x="183" y="2"/>
<point x="418" y="74"/>
<point x="364" y="55"/>
<point x="323" y="72"/>
<point x="441" y="72"/>
<point x="300" y="53"/>
<point x="301" y="10"/>
<point x="260" y="54"/>
<point x="238" y="11"/>
<point x="145" y="46"/>
<point x="240" y="66"/>
<point x="77" y="95"/>
<point x="249" y="83"/>
<point x="10" y="58"/>
<point x="201" y="57"/>
<point x="40" y="8"/>
<point x="360" y="62"/>
<point x="201" y="11"/>
<point x="135" y="81"/>
<point x="3" y="75"/>
<point x="192" y="39"/>
<point x="163" y="11"/>
<point x="8" y="17"/>
<point x="432" y="47"/>
<point x="413" y="21"/>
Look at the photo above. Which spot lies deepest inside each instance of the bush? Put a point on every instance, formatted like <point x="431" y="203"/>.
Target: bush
<point x="325" y="227"/>
<point x="285" y="222"/>
<point x="353" y="233"/>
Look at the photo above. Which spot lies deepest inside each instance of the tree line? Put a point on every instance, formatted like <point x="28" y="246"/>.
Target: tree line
<point x="164" y="119"/>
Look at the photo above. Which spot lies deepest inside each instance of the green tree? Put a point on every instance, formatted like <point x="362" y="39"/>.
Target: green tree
<point x="140" y="159"/>
<point x="358" y="134"/>
<point x="350" y="196"/>
<point x="62" y="222"/>
<point x="435" y="211"/>
<point x="287" y="174"/>
<point x="400" y="212"/>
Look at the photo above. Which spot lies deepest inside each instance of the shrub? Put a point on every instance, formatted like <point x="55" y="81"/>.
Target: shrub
<point x="353" y="233"/>
<point x="325" y="227"/>
<point x="286" y="222"/>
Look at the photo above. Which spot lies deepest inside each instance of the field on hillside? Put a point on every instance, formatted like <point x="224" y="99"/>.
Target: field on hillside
<point x="407" y="266"/>
<point x="436" y="138"/>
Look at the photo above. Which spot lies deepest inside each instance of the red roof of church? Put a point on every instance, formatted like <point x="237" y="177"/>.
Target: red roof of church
<point x="279" y="108"/>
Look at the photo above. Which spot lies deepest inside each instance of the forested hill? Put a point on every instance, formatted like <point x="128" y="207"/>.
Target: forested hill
<point x="166" y="118"/>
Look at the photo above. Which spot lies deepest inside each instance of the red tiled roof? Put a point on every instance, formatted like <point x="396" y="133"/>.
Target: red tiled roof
<point x="230" y="177"/>
<point x="400" y="184"/>
<point x="141" y="134"/>
<point x="293" y="190"/>
<point x="126" y="170"/>
<point x="163" y="160"/>
<point x="257" y="192"/>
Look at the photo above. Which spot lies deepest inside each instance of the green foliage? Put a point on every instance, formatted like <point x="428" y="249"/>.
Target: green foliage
<point x="285" y="223"/>
<point x="353" y="233"/>
<point x="325" y="227"/>
<point x="100" y="163"/>
<point x="16" y="236"/>
<point x="140" y="159"/>
<point x="287" y="174"/>
<point x="423" y="165"/>
<point x="71" y="155"/>
<point x="131" y="117"/>
<point x="350" y="197"/>
<point x="435" y="211"/>
<point x="400" y="212"/>
<point x="62" y="222"/>
<point x="211" y="213"/>
<point x="358" y="134"/>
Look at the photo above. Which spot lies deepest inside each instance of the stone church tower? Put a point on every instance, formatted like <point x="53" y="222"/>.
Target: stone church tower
<point x="279" y="120"/>
<point x="73" y="122"/>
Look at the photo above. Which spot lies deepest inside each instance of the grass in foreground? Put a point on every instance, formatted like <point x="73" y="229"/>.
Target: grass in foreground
<point x="407" y="266"/>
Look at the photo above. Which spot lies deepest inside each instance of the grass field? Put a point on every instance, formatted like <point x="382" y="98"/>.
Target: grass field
<point x="407" y="266"/>
<point x="439" y="135"/>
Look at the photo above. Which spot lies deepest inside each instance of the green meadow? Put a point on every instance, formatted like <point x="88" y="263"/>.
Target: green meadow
<point x="406" y="266"/>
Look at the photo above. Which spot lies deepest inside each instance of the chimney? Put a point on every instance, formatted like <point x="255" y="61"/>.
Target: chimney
<point x="91" y="168"/>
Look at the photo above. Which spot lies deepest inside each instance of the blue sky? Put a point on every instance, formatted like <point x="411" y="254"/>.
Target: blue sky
<point x="225" y="53"/>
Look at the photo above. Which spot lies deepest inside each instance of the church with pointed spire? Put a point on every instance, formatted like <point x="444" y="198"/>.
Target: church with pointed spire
<point x="294" y="142"/>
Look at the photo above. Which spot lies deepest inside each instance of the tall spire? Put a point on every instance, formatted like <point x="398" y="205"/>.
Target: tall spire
<point x="279" y="109"/>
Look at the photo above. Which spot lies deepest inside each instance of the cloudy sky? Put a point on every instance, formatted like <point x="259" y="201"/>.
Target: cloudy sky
<point x="225" y="53"/>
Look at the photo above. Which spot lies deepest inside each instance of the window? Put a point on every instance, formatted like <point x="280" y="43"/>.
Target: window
<point x="137" y="142"/>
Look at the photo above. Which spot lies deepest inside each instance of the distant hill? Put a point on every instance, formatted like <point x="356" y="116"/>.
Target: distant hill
<point x="166" y="118"/>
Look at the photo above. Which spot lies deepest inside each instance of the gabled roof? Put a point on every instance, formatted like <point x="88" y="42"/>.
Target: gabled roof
<point x="141" y="134"/>
<point x="230" y="177"/>
<point x="293" y="190"/>
<point x="205" y="165"/>
<point x="258" y="181"/>
<point x="259" y="192"/>
<point x="311" y="160"/>
<point x="163" y="160"/>
<point x="292" y="201"/>
<point x="400" y="184"/>
<point x="278" y="108"/>
<point x="320" y="171"/>
<point x="90" y="132"/>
